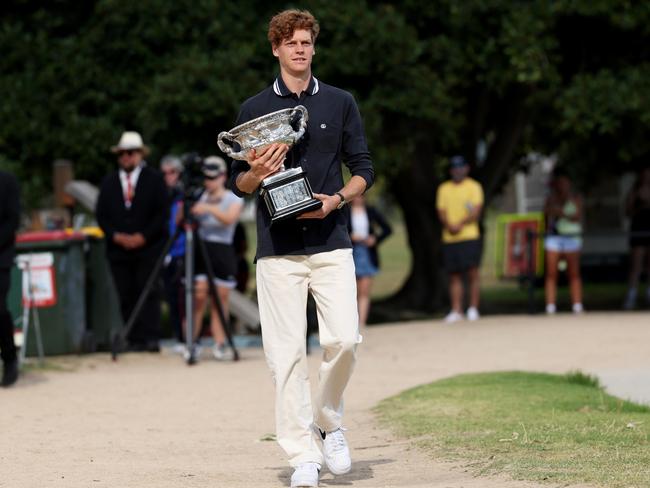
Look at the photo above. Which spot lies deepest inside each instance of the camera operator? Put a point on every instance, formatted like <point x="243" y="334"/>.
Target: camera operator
<point x="217" y="212"/>
<point x="172" y="169"/>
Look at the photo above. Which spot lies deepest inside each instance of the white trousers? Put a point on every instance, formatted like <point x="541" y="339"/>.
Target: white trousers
<point x="282" y="286"/>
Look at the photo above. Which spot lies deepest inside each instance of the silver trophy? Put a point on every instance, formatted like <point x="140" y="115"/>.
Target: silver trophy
<point x="286" y="193"/>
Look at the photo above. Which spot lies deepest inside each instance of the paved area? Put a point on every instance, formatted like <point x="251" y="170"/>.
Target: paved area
<point x="151" y="421"/>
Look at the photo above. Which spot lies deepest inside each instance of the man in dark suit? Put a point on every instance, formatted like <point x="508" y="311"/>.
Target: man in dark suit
<point x="9" y="220"/>
<point x="132" y="211"/>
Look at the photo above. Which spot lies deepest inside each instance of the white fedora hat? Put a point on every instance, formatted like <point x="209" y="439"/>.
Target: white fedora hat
<point x="130" y="140"/>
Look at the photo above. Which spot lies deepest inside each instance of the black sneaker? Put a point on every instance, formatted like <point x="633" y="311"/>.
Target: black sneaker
<point x="10" y="373"/>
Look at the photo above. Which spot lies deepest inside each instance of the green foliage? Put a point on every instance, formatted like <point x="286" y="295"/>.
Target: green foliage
<point x="175" y="71"/>
<point x="432" y="78"/>
<point x="563" y="429"/>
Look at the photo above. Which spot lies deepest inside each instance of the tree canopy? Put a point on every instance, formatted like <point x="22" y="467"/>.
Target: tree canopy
<point x="491" y="79"/>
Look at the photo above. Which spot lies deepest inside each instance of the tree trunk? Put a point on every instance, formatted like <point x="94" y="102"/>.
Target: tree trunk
<point x="508" y="134"/>
<point x="414" y="188"/>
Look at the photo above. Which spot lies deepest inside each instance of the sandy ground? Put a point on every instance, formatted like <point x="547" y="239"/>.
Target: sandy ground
<point x="151" y="421"/>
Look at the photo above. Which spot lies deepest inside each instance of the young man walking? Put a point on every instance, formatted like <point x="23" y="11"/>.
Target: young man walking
<point x="308" y="254"/>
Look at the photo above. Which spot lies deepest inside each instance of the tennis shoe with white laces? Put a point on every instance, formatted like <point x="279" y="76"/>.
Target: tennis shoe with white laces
<point x="336" y="451"/>
<point x="305" y="476"/>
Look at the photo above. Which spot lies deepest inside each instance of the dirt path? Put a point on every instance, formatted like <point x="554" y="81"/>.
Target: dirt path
<point x="151" y="421"/>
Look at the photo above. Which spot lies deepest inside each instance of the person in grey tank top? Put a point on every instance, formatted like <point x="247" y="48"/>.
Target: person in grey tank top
<point x="217" y="212"/>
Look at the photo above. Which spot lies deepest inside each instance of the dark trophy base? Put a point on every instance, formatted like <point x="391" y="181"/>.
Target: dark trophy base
<point x="288" y="194"/>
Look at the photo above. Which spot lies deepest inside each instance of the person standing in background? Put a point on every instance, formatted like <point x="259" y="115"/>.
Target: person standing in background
<point x="459" y="202"/>
<point x="368" y="228"/>
<point x="172" y="168"/>
<point x="637" y="208"/>
<point x="563" y="211"/>
<point x="217" y="213"/>
<point x="9" y="221"/>
<point x="132" y="210"/>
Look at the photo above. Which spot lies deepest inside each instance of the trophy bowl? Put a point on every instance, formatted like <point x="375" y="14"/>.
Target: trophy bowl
<point x="286" y="125"/>
<point x="286" y="193"/>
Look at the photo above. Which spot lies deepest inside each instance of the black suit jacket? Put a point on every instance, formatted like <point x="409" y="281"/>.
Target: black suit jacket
<point x="147" y="215"/>
<point x="9" y="217"/>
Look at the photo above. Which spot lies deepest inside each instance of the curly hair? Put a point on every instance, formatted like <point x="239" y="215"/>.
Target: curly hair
<point x="283" y="25"/>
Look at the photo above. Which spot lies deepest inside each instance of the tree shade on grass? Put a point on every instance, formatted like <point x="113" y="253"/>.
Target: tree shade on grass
<point x="531" y="426"/>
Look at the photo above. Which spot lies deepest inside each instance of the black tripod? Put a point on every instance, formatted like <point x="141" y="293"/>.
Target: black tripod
<point x="188" y="225"/>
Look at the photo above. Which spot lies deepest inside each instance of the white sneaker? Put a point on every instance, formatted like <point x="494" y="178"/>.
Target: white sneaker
<point x="221" y="352"/>
<point x="550" y="309"/>
<point x="197" y="352"/>
<point x="472" y="314"/>
<point x="336" y="451"/>
<point x="578" y="308"/>
<point x="453" y="316"/>
<point x="305" y="475"/>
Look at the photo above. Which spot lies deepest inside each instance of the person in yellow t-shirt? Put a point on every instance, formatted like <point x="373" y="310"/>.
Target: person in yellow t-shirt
<point x="459" y="203"/>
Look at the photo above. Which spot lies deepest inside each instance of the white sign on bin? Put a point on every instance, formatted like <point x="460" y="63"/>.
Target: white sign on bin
<point x="38" y="271"/>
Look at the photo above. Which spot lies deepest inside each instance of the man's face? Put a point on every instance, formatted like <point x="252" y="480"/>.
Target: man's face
<point x="171" y="176"/>
<point x="459" y="173"/>
<point x="295" y="53"/>
<point x="129" y="159"/>
<point x="214" y="183"/>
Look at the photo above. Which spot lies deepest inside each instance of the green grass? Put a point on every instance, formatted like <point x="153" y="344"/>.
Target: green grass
<point x="530" y="426"/>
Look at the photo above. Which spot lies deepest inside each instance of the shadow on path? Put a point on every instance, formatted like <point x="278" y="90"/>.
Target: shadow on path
<point x="361" y="470"/>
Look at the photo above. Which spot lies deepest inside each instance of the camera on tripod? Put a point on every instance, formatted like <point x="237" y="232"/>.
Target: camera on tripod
<point x="192" y="176"/>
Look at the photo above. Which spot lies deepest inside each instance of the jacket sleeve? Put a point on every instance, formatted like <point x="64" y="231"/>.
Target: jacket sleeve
<point x="375" y="217"/>
<point x="355" y="153"/>
<point x="157" y="226"/>
<point x="10" y="211"/>
<point x="102" y="210"/>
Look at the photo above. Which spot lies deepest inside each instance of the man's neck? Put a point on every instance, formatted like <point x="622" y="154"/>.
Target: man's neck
<point x="131" y="169"/>
<point x="296" y="83"/>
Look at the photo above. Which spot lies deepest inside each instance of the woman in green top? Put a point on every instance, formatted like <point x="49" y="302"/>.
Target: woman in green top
<point x="563" y="211"/>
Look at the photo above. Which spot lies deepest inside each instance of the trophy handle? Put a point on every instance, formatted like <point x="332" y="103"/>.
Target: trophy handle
<point x="298" y="121"/>
<point x="226" y="142"/>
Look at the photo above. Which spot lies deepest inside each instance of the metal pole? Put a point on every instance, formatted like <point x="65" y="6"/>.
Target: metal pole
<point x="530" y="245"/>
<point x="189" y="292"/>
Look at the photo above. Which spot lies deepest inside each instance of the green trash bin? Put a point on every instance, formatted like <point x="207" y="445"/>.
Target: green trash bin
<point x="102" y="302"/>
<point x="58" y="275"/>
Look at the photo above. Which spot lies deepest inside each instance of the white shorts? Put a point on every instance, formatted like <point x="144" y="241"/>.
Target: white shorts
<point x="563" y="243"/>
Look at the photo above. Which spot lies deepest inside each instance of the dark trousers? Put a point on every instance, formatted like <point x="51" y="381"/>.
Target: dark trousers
<point x="130" y="277"/>
<point x="7" y="346"/>
<point x="174" y="294"/>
